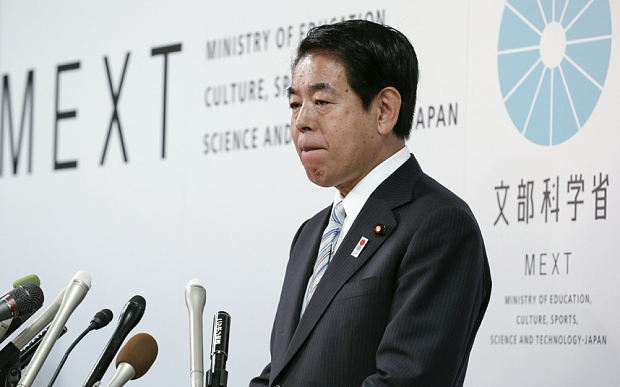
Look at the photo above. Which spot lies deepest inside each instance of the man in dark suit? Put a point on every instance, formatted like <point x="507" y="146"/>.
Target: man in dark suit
<point x="388" y="286"/>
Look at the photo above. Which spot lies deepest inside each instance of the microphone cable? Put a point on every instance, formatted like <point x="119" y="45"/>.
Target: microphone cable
<point x="100" y="320"/>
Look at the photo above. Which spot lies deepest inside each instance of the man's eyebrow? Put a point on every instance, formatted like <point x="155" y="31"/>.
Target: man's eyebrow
<point x="319" y="86"/>
<point x="322" y="86"/>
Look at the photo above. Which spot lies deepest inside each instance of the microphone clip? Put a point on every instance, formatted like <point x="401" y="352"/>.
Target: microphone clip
<point x="11" y="371"/>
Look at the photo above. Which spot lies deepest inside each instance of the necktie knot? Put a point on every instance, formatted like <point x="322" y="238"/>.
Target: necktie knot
<point x="338" y="213"/>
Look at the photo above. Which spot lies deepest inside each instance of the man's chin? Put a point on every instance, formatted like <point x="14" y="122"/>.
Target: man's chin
<point x="317" y="178"/>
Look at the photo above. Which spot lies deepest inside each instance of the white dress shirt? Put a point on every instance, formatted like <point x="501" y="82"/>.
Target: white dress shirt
<point x="356" y="199"/>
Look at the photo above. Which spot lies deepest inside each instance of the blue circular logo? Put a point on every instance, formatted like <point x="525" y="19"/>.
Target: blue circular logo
<point x="553" y="57"/>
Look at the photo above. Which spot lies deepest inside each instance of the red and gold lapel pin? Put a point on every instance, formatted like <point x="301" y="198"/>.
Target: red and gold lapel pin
<point x="379" y="229"/>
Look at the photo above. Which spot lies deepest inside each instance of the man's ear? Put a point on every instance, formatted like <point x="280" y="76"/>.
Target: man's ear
<point x="389" y="102"/>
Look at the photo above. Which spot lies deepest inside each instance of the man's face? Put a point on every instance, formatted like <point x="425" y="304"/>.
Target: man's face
<point x="336" y="138"/>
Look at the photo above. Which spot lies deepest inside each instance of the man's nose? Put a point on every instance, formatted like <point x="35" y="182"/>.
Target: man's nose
<point x="305" y="119"/>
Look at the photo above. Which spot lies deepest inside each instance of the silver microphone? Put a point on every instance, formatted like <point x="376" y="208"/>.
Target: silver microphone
<point x="196" y="299"/>
<point x="74" y="294"/>
<point x="41" y="322"/>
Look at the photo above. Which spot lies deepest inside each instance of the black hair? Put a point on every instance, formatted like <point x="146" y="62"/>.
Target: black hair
<point x="374" y="57"/>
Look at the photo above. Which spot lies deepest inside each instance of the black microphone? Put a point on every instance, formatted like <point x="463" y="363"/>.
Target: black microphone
<point x="21" y="301"/>
<point x="130" y="316"/>
<point x="217" y="375"/>
<point x="101" y="319"/>
<point x="7" y="327"/>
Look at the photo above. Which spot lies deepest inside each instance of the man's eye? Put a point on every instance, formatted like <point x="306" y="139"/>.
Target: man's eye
<point x="294" y="105"/>
<point x="321" y="102"/>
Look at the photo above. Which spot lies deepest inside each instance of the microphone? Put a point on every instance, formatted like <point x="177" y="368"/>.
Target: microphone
<point x="25" y="355"/>
<point x="41" y="322"/>
<point x="7" y="327"/>
<point x="74" y="294"/>
<point x="29" y="279"/>
<point x="23" y="300"/>
<point x="13" y="324"/>
<point x="15" y="361"/>
<point x="195" y="299"/>
<point x="101" y="319"/>
<point x="130" y="316"/>
<point x="10" y="352"/>
<point x="217" y="375"/>
<point x="4" y="327"/>
<point x="135" y="359"/>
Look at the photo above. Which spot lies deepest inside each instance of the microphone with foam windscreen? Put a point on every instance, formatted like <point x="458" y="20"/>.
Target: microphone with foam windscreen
<point x="74" y="294"/>
<point x="195" y="299"/>
<point x="217" y="375"/>
<point x="23" y="300"/>
<point x="135" y="359"/>
<point x="7" y="327"/>
<point x="41" y="322"/>
<point x="130" y="316"/>
<point x="100" y="320"/>
<point x="11" y="352"/>
<point x="29" y="279"/>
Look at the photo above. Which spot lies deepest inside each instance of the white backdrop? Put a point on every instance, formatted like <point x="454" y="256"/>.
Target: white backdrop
<point x="224" y="202"/>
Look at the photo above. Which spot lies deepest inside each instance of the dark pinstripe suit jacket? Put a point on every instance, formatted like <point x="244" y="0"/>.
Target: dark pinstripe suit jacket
<point x="403" y="313"/>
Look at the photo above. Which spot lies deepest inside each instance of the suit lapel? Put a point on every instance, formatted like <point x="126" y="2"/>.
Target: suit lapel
<point x="299" y="271"/>
<point x="341" y="268"/>
<point x="395" y="191"/>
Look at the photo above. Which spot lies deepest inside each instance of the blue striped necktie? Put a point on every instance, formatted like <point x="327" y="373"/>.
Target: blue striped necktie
<point x="328" y="242"/>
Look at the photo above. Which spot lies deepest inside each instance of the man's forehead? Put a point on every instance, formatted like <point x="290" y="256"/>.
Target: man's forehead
<point x="318" y="72"/>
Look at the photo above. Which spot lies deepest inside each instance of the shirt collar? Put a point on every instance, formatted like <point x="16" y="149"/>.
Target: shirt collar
<point x="355" y="200"/>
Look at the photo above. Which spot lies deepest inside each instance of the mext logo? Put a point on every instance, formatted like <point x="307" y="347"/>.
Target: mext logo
<point x="553" y="57"/>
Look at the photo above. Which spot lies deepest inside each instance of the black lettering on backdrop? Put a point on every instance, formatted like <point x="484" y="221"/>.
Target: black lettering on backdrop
<point x="242" y="91"/>
<point x="6" y="106"/>
<point x="284" y="36"/>
<point x="165" y="50"/>
<point x="237" y="45"/>
<point x="530" y="268"/>
<point x="378" y="17"/>
<point x="551" y="198"/>
<point x="282" y="84"/>
<point x="560" y="260"/>
<point x="501" y="203"/>
<point x="453" y="114"/>
<point x="279" y="135"/>
<point x="115" y="117"/>
<point x="230" y="140"/>
<point x="63" y="115"/>
<point x="600" y="194"/>
<point x="436" y="116"/>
